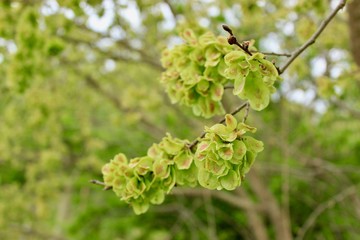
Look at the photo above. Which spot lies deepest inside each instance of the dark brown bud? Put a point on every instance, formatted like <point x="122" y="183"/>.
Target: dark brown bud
<point x="226" y="28"/>
<point x="232" y="40"/>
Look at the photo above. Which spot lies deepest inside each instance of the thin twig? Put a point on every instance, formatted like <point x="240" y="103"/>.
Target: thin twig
<point x="247" y="108"/>
<point x="274" y="54"/>
<point x="91" y="82"/>
<point x="238" y="109"/>
<point x="353" y="112"/>
<point x="322" y="207"/>
<point x="228" y="87"/>
<point x="97" y="182"/>
<point x="233" y="41"/>
<point x="313" y="38"/>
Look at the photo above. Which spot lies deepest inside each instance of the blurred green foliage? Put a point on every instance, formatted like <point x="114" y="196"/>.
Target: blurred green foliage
<point x="73" y="95"/>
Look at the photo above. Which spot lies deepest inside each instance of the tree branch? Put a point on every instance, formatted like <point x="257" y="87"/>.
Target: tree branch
<point x="97" y="182"/>
<point x="353" y="112"/>
<point x="221" y="195"/>
<point x="274" y="54"/>
<point x="313" y="38"/>
<point x="233" y="41"/>
<point x="238" y="109"/>
<point x="322" y="207"/>
<point x="115" y="101"/>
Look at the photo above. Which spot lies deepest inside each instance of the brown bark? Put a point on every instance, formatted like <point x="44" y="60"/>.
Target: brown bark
<point x="354" y="26"/>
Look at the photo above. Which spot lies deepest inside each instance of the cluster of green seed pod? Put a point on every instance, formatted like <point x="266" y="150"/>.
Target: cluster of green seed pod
<point x="197" y="71"/>
<point x="146" y="180"/>
<point x="225" y="155"/>
<point x="253" y="77"/>
<point x="194" y="73"/>
<point x="222" y="158"/>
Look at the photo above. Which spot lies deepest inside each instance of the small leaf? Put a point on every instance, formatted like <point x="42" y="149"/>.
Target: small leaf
<point x="252" y="144"/>
<point x="230" y="181"/>
<point x="218" y="169"/>
<point x="207" y="38"/>
<point x="234" y="56"/>
<point x="140" y="207"/>
<point x="183" y="160"/>
<point x="120" y="159"/>
<point x="154" y="151"/>
<point x="216" y="91"/>
<point x="230" y="122"/>
<point x="171" y="145"/>
<point x="224" y="132"/>
<point x="239" y="152"/>
<point x="161" y="169"/>
<point x="207" y="180"/>
<point x="233" y="71"/>
<point x="239" y="84"/>
<point x="157" y="197"/>
<point x="202" y="87"/>
<point x="189" y="36"/>
<point x="243" y="128"/>
<point x="202" y="146"/>
<point x="226" y="152"/>
<point x="256" y="91"/>
<point x="249" y="160"/>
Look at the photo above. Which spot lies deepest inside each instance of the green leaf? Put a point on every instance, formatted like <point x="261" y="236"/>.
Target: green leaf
<point x="212" y="56"/>
<point x="216" y="91"/>
<point x="161" y="169"/>
<point x="184" y="159"/>
<point x="154" y="151"/>
<point x="239" y="152"/>
<point x="189" y="36"/>
<point x="249" y="160"/>
<point x="222" y="67"/>
<point x="268" y="69"/>
<point x="216" y="168"/>
<point x="243" y="128"/>
<point x="135" y="187"/>
<point x="224" y="132"/>
<point x="233" y="71"/>
<point x="187" y="177"/>
<point x="230" y="122"/>
<point x="120" y="159"/>
<point x="256" y="92"/>
<point x="157" y="196"/>
<point x="230" y="181"/>
<point x="144" y="165"/>
<point x="252" y="144"/>
<point x="140" y="207"/>
<point x="239" y="84"/>
<point x="207" y="180"/>
<point x="171" y="145"/>
<point x="202" y="87"/>
<point x="207" y="39"/>
<point x="234" y="56"/>
<point x="226" y="152"/>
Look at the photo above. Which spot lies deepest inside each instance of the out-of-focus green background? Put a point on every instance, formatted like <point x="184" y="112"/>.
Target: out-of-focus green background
<point x="80" y="83"/>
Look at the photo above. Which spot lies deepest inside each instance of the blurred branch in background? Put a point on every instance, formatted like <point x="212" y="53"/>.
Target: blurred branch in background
<point x="313" y="38"/>
<point x="352" y="190"/>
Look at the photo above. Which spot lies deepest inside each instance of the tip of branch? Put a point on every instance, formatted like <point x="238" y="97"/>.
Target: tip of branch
<point x="227" y="28"/>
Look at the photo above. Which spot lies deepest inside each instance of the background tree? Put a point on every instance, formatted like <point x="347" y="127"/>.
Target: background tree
<point x="81" y="83"/>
